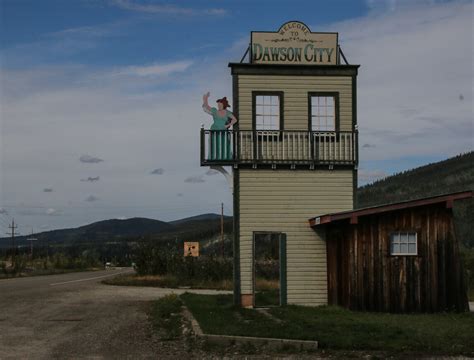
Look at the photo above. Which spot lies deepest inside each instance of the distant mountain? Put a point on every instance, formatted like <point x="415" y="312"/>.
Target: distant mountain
<point x="451" y="175"/>
<point x="106" y="230"/>
<point x="448" y="176"/>
<point x="197" y="218"/>
<point x="129" y="230"/>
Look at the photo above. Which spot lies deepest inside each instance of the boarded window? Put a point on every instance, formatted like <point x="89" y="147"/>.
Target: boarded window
<point x="403" y="243"/>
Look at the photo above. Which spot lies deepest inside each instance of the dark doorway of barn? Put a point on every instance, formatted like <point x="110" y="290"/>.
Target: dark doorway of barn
<point x="269" y="264"/>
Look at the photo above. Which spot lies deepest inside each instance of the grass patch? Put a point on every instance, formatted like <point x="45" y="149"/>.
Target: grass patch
<point x="166" y="316"/>
<point x="337" y="328"/>
<point x="166" y="281"/>
<point x="217" y="315"/>
<point x="267" y="298"/>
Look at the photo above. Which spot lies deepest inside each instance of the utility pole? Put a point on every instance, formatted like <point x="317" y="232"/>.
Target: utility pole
<point x="12" y="233"/>
<point x="222" y="228"/>
<point x="47" y="250"/>
<point x="31" y="239"/>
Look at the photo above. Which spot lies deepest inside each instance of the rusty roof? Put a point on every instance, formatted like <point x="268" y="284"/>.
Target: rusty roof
<point x="353" y="215"/>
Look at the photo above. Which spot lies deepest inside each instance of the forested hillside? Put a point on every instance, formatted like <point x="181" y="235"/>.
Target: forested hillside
<point x="130" y="230"/>
<point x="451" y="175"/>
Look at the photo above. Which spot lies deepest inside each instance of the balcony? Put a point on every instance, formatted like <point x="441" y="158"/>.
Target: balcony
<point x="273" y="148"/>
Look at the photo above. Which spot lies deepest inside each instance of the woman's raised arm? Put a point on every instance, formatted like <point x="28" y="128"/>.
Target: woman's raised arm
<point x="205" y="103"/>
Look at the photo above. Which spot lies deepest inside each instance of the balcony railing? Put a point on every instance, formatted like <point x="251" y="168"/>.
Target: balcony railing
<point x="227" y="147"/>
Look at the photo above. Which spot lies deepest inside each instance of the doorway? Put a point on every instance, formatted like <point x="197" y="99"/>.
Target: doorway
<point x="269" y="269"/>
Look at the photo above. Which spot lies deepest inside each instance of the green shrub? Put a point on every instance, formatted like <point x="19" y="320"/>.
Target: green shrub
<point x="159" y="259"/>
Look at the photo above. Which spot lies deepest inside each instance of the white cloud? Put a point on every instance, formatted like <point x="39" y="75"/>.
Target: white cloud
<point x="415" y="62"/>
<point x="392" y="5"/>
<point x="164" y="9"/>
<point x="87" y="31"/>
<point x="52" y="212"/>
<point x="369" y="176"/>
<point x="212" y="172"/>
<point x="155" y="69"/>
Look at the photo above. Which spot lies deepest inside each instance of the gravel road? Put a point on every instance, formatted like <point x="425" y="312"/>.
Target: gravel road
<point x="75" y="316"/>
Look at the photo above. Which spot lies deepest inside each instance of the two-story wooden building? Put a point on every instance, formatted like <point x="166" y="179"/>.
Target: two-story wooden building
<point x="294" y="155"/>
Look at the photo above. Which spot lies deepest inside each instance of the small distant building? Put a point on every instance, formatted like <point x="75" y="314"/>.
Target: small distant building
<point x="401" y="257"/>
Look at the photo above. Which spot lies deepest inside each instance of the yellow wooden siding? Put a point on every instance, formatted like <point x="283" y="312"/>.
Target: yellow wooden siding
<point x="283" y="201"/>
<point x="295" y="90"/>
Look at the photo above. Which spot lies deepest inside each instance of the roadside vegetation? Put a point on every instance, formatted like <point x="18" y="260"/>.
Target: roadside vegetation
<point x="23" y="264"/>
<point x="162" y="264"/>
<point x="337" y="328"/>
<point x="167" y="281"/>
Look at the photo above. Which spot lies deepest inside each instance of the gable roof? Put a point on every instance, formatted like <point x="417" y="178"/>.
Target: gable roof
<point x="354" y="214"/>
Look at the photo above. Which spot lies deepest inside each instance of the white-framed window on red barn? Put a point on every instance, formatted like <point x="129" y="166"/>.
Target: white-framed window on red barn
<point x="403" y="243"/>
<point x="323" y="111"/>
<point x="267" y="109"/>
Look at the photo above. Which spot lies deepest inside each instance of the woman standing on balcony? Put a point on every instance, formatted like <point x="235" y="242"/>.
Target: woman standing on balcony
<point x="223" y="120"/>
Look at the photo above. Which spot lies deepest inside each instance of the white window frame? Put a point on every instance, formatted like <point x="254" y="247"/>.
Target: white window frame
<point x="319" y="111"/>
<point x="403" y="238"/>
<point x="268" y="107"/>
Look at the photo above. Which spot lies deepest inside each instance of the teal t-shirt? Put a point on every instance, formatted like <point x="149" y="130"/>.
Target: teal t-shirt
<point x="219" y="121"/>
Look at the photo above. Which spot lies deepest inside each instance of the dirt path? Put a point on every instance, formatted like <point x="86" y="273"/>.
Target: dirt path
<point x="75" y="316"/>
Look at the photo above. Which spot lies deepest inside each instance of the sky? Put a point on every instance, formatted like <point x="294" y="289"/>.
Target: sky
<point x="100" y="100"/>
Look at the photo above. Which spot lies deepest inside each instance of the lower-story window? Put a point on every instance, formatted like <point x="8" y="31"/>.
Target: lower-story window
<point x="403" y="243"/>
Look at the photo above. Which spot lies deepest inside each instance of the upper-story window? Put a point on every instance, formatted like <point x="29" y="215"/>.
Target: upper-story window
<point x="268" y="110"/>
<point x="403" y="243"/>
<point x="323" y="111"/>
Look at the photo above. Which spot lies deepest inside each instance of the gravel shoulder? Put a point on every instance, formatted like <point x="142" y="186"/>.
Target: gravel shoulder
<point x="75" y="316"/>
